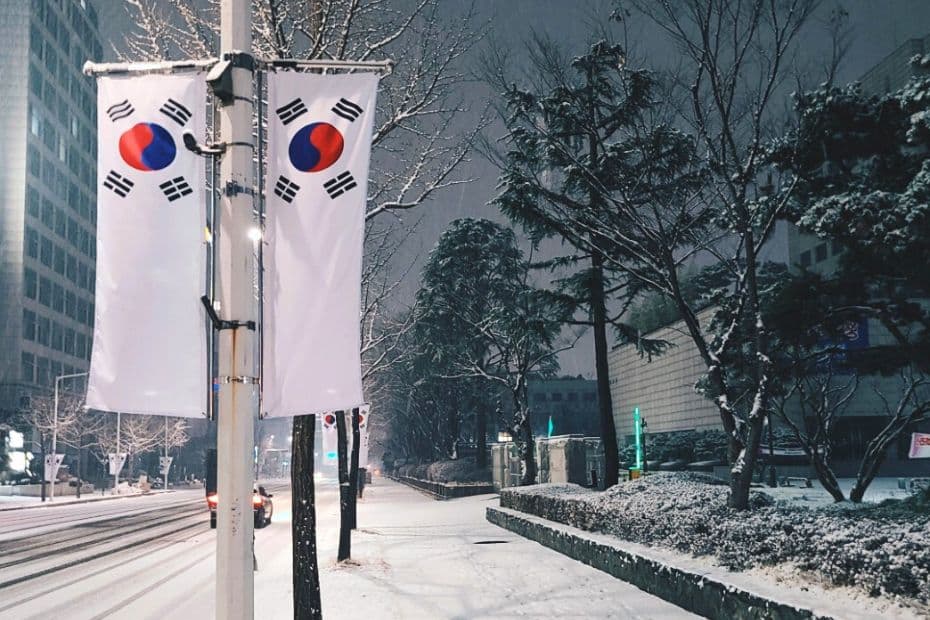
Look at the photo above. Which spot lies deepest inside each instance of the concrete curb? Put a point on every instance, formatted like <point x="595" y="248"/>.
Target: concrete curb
<point x="79" y="501"/>
<point x="438" y="490"/>
<point x="698" y="592"/>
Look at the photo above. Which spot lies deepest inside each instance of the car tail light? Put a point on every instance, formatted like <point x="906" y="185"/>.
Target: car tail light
<point x="257" y="500"/>
<point x="211" y="500"/>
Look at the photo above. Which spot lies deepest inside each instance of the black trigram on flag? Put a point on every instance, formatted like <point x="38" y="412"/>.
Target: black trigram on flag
<point x="286" y="189"/>
<point x="175" y="188"/>
<point x="120" y="185"/>
<point x="339" y="185"/>
<point x="347" y="110"/>
<point x="290" y="111"/>
<point x="120" y="110"/>
<point x="176" y="112"/>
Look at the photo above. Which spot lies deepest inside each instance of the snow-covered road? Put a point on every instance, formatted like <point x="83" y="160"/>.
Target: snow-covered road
<point x="413" y="557"/>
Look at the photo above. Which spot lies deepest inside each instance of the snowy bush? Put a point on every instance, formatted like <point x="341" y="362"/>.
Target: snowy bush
<point x="881" y="548"/>
<point x="459" y="470"/>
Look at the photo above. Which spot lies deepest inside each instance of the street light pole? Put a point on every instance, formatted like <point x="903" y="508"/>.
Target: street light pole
<point x="238" y="395"/>
<point x="58" y="379"/>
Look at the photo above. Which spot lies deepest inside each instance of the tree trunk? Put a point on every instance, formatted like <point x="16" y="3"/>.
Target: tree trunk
<point x="604" y="404"/>
<point x="742" y="471"/>
<point x="871" y="462"/>
<point x="306" y="574"/>
<point x="481" y="435"/>
<point x="825" y="475"/>
<point x="354" y="471"/>
<point x="529" y="454"/>
<point x="345" y="531"/>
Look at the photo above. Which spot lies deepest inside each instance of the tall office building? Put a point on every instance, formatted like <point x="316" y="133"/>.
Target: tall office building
<point x="47" y="189"/>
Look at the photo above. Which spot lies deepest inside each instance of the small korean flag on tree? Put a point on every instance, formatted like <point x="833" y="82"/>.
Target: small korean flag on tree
<point x="149" y="352"/>
<point x="319" y="142"/>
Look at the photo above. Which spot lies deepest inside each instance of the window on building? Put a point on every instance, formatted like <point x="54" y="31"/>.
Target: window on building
<point x="61" y="223"/>
<point x="820" y="252"/>
<point x="45" y="292"/>
<point x="71" y="271"/>
<point x="539" y="397"/>
<point x="42" y="329"/>
<point x="80" y="346"/>
<point x="556" y="397"/>
<point x="69" y="341"/>
<point x="806" y="258"/>
<point x="71" y="305"/>
<point x="572" y="396"/>
<point x="33" y="202"/>
<point x="30" y="283"/>
<point x="74" y="232"/>
<point x="29" y="324"/>
<point x="48" y="213"/>
<point x="35" y="81"/>
<point x="34" y="162"/>
<point x="58" y="298"/>
<point x="46" y="251"/>
<point x="28" y="367"/>
<point x="82" y="311"/>
<point x="42" y="368"/>
<point x="32" y="242"/>
<point x="590" y="397"/>
<point x="60" y="260"/>
<point x="57" y="336"/>
<point x="835" y="247"/>
<point x="35" y="122"/>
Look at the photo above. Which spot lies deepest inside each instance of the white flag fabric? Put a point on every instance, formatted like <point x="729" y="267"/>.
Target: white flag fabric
<point x="149" y="353"/>
<point x="319" y="142"/>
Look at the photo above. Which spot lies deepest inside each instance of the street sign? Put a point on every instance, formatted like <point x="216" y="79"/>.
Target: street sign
<point x="164" y="464"/>
<point x="52" y="463"/>
<point x="116" y="464"/>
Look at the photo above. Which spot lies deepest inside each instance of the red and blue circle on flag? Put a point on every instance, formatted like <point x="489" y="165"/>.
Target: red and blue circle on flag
<point x="147" y="147"/>
<point x="316" y="147"/>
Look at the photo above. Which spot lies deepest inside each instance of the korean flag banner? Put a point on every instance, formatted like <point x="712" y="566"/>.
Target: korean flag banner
<point x="149" y="353"/>
<point x="319" y="142"/>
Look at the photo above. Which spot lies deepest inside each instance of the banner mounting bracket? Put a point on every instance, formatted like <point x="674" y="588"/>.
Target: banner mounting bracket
<point x="218" y="323"/>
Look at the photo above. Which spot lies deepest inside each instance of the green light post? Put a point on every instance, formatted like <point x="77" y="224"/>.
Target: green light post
<point x="638" y="435"/>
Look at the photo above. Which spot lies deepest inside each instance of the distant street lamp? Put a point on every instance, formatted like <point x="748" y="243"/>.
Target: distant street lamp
<point x="58" y="379"/>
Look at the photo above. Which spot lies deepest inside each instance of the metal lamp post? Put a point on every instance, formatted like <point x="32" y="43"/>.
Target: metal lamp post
<point x="58" y="379"/>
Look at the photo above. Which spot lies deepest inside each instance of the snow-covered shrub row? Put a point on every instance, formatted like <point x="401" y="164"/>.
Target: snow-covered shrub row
<point x="882" y="548"/>
<point x="459" y="470"/>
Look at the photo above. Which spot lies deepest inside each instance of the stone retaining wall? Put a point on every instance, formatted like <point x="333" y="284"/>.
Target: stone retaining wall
<point x="441" y="490"/>
<point x="691" y="590"/>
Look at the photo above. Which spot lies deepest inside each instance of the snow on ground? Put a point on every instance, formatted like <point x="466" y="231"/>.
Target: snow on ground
<point x="880" y="489"/>
<point x="413" y="557"/>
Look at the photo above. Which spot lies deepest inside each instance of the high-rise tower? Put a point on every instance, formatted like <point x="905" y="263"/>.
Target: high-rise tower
<point x="47" y="194"/>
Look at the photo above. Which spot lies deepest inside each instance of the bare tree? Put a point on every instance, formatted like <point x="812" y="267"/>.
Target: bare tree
<point x="809" y="407"/>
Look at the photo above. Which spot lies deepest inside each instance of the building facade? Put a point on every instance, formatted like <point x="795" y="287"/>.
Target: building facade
<point x="47" y="188"/>
<point x="663" y="388"/>
<point x="569" y="402"/>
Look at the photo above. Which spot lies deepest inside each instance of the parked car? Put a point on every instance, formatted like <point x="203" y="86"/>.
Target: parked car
<point x="262" y="507"/>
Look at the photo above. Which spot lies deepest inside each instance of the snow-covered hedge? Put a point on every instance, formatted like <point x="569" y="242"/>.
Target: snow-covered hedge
<point x="882" y="548"/>
<point x="459" y="470"/>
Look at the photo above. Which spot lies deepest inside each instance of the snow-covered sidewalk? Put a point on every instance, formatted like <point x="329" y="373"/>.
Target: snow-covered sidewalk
<point x="414" y="557"/>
